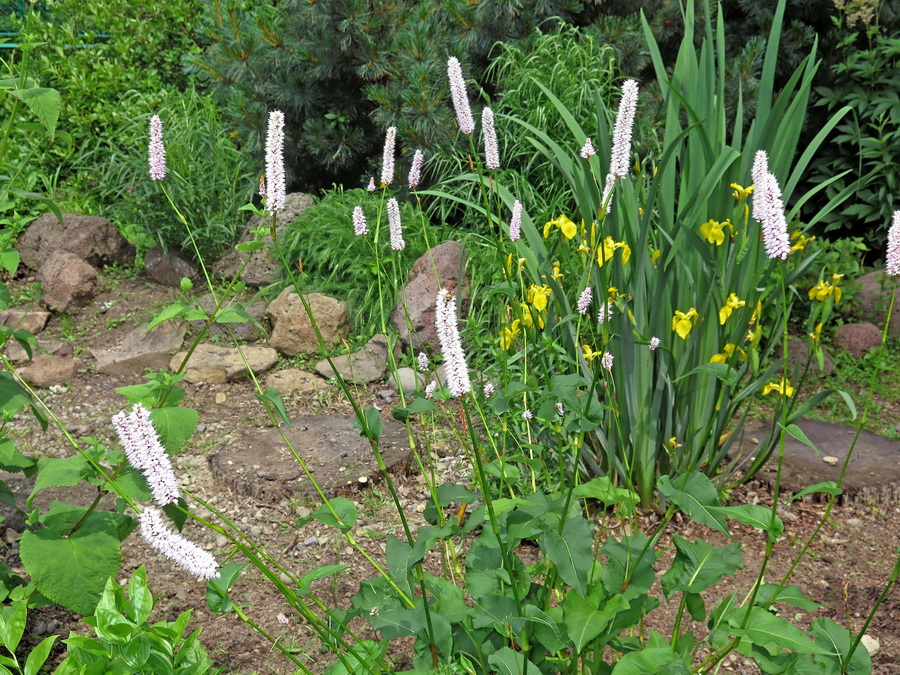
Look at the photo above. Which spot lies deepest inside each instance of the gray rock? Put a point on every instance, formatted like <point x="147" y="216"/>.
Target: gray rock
<point x="244" y="331"/>
<point x="69" y="282"/>
<point x="47" y="370"/>
<point x="292" y="332"/>
<point x="295" y="381"/>
<point x="94" y="240"/>
<point x="167" y="268"/>
<point x="141" y="350"/>
<point x="264" y="267"/>
<point x="410" y="380"/>
<point x="367" y="365"/>
<point x="18" y="319"/>
<point x="874" y="299"/>
<point x="217" y="365"/>
<point x="857" y="338"/>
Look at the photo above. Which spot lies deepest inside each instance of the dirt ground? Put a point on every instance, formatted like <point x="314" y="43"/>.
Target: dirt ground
<point x="846" y="568"/>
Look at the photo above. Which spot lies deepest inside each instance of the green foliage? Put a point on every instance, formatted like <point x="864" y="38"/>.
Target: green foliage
<point x="338" y="263"/>
<point x="861" y="154"/>
<point x="126" y="643"/>
<point x="343" y="71"/>
<point x="197" y="146"/>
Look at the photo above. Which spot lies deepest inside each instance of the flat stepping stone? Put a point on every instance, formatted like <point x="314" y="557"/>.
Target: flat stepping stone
<point x="873" y="475"/>
<point x="261" y="465"/>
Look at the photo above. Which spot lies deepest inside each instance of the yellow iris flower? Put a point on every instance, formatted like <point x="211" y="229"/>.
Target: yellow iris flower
<point x="741" y="193"/>
<point x="508" y="334"/>
<point x="733" y="303"/>
<point x="817" y="333"/>
<point x="566" y="226"/>
<point x="727" y="353"/>
<point x="682" y="322"/>
<point x="784" y="388"/>
<point x="713" y="232"/>
<point x="537" y="296"/>
<point x="589" y="354"/>
<point x="825" y="289"/>
<point x="609" y="248"/>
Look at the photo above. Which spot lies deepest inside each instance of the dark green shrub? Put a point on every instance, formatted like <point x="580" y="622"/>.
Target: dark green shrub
<point x="208" y="177"/>
<point x="343" y="70"/>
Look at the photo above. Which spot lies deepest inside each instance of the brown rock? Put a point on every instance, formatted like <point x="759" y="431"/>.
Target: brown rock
<point x="17" y="354"/>
<point x="438" y="268"/>
<point x="292" y="332"/>
<point x="140" y="350"/>
<point x="19" y="319"/>
<point x="69" y="282"/>
<point x="874" y="298"/>
<point x="295" y="381"/>
<point x="47" y="370"/>
<point x="167" y="269"/>
<point x="92" y="239"/>
<point x="264" y="267"/>
<point x="214" y="364"/>
<point x="857" y="338"/>
<point x="246" y="331"/>
<point x="367" y="365"/>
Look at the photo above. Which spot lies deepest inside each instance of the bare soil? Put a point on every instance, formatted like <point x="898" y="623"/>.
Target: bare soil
<point x="845" y="569"/>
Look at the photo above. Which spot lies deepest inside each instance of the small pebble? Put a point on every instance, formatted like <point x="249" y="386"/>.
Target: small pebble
<point x="312" y="541"/>
<point x="854" y="522"/>
<point x="221" y="541"/>
<point x="201" y="428"/>
<point x="220" y="398"/>
<point x="871" y="644"/>
<point x="828" y="459"/>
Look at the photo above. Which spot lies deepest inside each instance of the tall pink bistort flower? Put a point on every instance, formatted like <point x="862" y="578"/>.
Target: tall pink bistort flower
<point x="175" y="547"/>
<point x="515" y="223"/>
<point x="451" y="347"/>
<point x="460" y="97"/>
<point x="156" y="151"/>
<point x="584" y="301"/>
<point x="415" y="170"/>
<point x="146" y="454"/>
<point x="275" y="163"/>
<point x="359" y="222"/>
<point x="387" y="158"/>
<point x="587" y="150"/>
<point x="893" y="247"/>
<point x="393" y="212"/>
<point x="768" y="208"/>
<point x="371" y="186"/>
<point x="620" y="156"/>
<point x="491" y="151"/>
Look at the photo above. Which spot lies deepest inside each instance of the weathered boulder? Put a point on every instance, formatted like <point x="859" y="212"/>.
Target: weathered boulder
<point x="438" y="268"/>
<point x="49" y="369"/>
<point x="246" y="331"/>
<point x="409" y="380"/>
<point x="141" y="350"/>
<point x="857" y="338"/>
<point x="295" y="381"/>
<point x="264" y="267"/>
<point x="167" y="268"/>
<point x="92" y="239"/>
<point x="367" y="365"/>
<point x="69" y="282"/>
<point x="19" y="319"/>
<point x="874" y="298"/>
<point x="292" y="332"/>
<point x="210" y="363"/>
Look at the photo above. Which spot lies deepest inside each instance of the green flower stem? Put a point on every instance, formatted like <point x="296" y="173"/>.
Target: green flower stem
<point x="845" y="662"/>
<point x="243" y="617"/>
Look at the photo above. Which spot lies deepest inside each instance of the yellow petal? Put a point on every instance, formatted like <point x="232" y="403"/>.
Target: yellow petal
<point x="568" y="227"/>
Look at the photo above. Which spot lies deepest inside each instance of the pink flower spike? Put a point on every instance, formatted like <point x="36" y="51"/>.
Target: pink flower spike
<point x="768" y="209"/>
<point x="460" y="97"/>
<point x="893" y="247"/>
<point x="275" y="162"/>
<point x="607" y="361"/>
<point x="491" y="152"/>
<point x="146" y="454"/>
<point x="175" y="547"/>
<point x="393" y="210"/>
<point x="587" y="150"/>
<point x="415" y="171"/>
<point x="422" y="361"/>
<point x="515" y="224"/>
<point x="371" y="186"/>
<point x="387" y="160"/>
<point x="654" y="344"/>
<point x="584" y="301"/>
<point x="359" y="222"/>
<point x="156" y="151"/>
<point x="451" y="347"/>
<point x="620" y="156"/>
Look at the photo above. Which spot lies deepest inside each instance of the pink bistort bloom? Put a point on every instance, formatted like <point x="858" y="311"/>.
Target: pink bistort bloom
<point x="146" y="454"/>
<point x="620" y="156"/>
<point x="515" y="223"/>
<point x="393" y="211"/>
<point x="275" y="163"/>
<point x="587" y="150"/>
<point x="460" y="97"/>
<point x="359" y="222"/>
<point x="415" y="171"/>
<point x="768" y="208"/>
<point x="584" y="301"/>
<point x="491" y="151"/>
<point x="387" y="159"/>
<point x="451" y="347"/>
<point x="893" y="247"/>
<point x="156" y="151"/>
<point x="175" y="547"/>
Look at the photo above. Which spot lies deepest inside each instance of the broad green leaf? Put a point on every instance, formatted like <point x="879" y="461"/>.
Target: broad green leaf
<point x="697" y="497"/>
<point x="70" y="571"/>
<point x="64" y="472"/>
<point x="43" y="102"/>
<point x="401" y="559"/>
<point x="506" y="661"/>
<point x="13" y="460"/>
<point x="250" y="246"/>
<point x="234" y="314"/>
<point x="765" y="628"/>
<point x="571" y="552"/>
<point x="343" y="508"/>
<point x="420" y="405"/>
<point x="602" y="489"/>
<point x="272" y="396"/>
<point x="9" y="260"/>
<point x="631" y="560"/>
<point x="789" y="594"/>
<point x="837" y="640"/>
<point x="175" y="426"/>
<point x="217" y="590"/>
<point x="26" y="341"/>
<point x="697" y="565"/>
<point x="321" y="572"/>
<point x="370" y="424"/>
<point x="398" y="623"/>
<point x="14" y="626"/>
<point x="173" y="311"/>
<point x="755" y="516"/>
<point x="654" y="661"/>
<point x="39" y="655"/>
<point x="797" y="432"/>
<point x="829" y="487"/>
<point x="585" y="619"/>
<point x="62" y="517"/>
<point x="448" y="493"/>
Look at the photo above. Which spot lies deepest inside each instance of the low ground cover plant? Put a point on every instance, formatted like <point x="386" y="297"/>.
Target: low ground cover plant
<point x="633" y="326"/>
